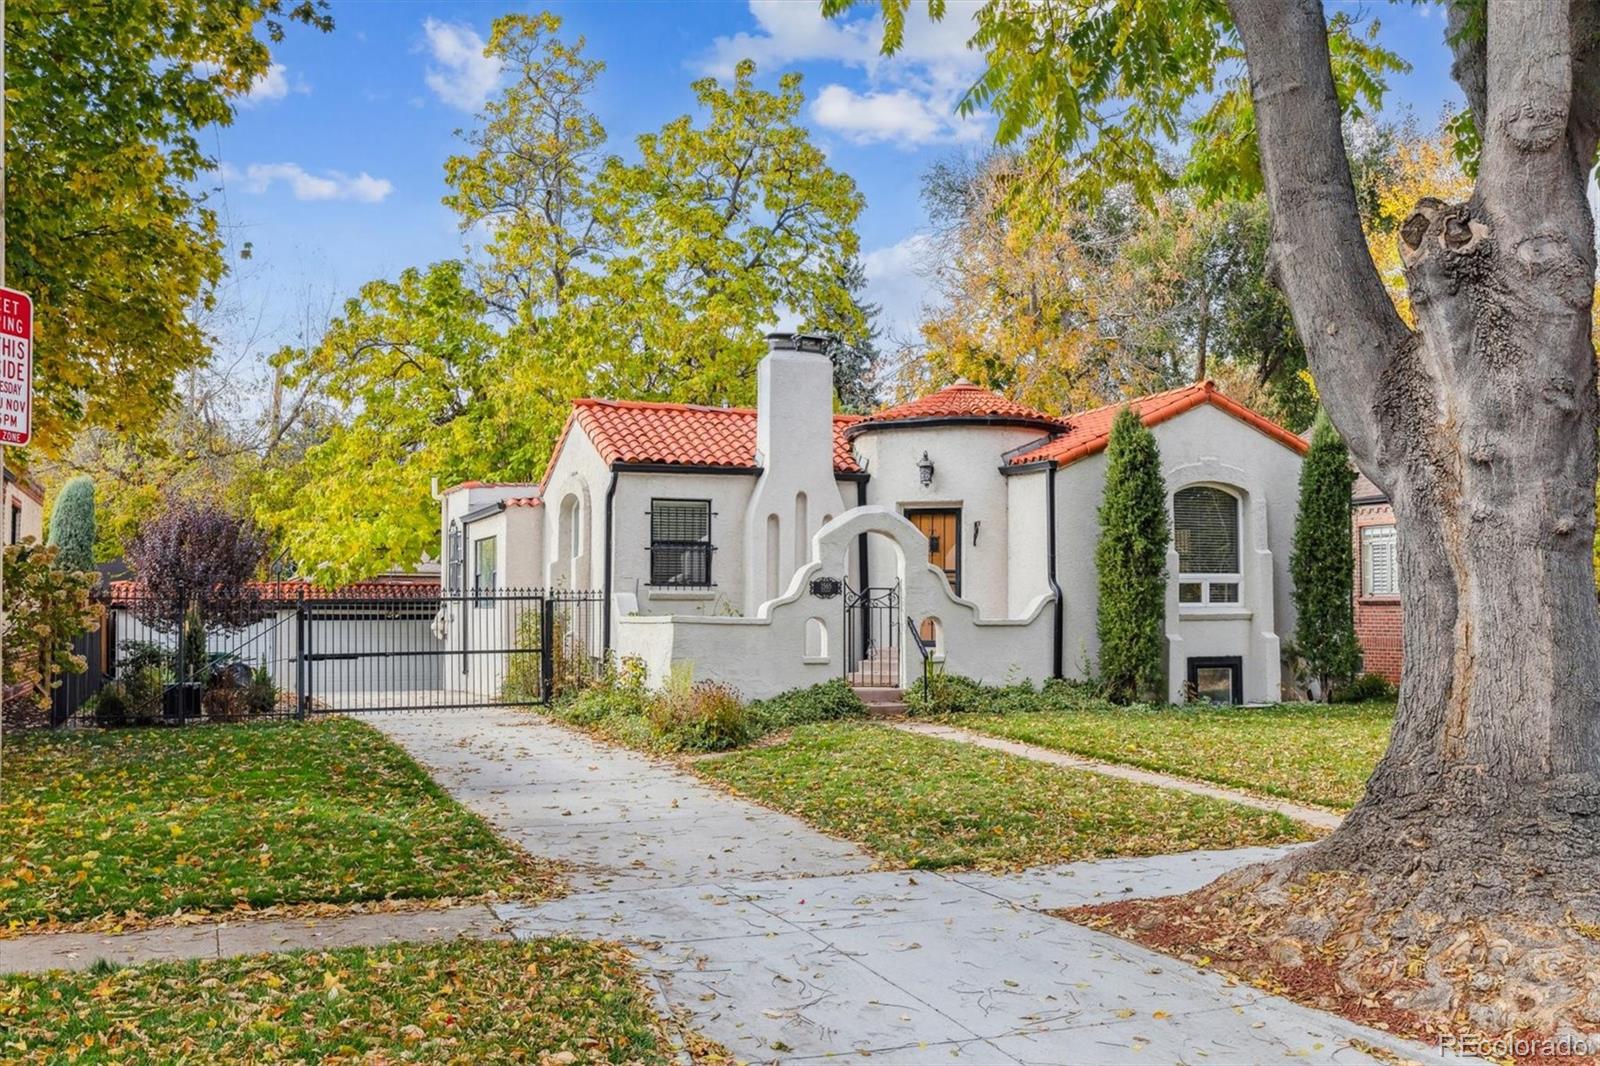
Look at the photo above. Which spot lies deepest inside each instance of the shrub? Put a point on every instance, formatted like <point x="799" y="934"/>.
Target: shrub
<point x="953" y="694"/>
<point x="619" y="693"/>
<point x="1131" y="561"/>
<point x="144" y="687"/>
<point x="1323" y="565"/>
<point x="708" y="716"/>
<point x="47" y="609"/>
<point x="72" y="523"/>
<point x="1363" y="688"/>
<point x="110" y="706"/>
<point x="824" y="702"/>
<point x="261" y="694"/>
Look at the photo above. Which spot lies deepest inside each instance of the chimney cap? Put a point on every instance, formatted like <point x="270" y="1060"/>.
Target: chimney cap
<point x="817" y="343"/>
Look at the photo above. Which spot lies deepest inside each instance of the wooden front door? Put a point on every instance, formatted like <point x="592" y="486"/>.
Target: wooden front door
<point x="943" y="530"/>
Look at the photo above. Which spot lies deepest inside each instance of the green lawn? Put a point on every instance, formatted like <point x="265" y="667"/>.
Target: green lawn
<point x="929" y="803"/>
<point x="1310" y="752"/>
<point x="100" y="824"/>
<point x="463" y="1002"/>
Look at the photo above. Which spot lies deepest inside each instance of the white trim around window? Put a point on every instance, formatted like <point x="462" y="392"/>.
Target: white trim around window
<point x="1208" y="532"/>
<point x="1380" y="563"/>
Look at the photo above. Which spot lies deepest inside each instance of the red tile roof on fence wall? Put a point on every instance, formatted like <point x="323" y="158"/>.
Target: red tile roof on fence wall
<point x="382" y="588"/>
<point x="525" y="501"/>
<point x="1089" y="433"/>
<point x="460" y="485"/>
<point x="963" y="400"/>
<point x="681" y="434"/>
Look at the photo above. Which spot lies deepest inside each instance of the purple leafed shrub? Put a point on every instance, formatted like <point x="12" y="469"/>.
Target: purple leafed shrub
<point x="197" y="557"/>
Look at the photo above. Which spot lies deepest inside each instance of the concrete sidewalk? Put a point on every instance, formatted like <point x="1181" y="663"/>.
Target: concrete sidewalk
<point x="622" y="820"/>
<point x="222" y="939"/>
<point x="1312" y="816"/>
<point x="929" y="968"/>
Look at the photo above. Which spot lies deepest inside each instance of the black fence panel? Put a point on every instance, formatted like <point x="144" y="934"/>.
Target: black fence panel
<point x="387" y="649"/>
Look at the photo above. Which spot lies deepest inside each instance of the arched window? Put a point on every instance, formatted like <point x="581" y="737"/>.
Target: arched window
<point x="1205" y="530"/>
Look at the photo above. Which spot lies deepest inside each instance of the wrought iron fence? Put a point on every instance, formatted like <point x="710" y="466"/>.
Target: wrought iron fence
<point x="280" y="651"/>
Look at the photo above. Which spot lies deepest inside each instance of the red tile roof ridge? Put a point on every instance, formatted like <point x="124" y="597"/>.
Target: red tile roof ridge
<point x="1088" y="432"/>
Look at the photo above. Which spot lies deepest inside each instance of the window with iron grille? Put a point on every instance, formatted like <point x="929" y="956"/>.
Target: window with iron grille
<point x="680" y="543"/>
<point x="1205" y="530"/>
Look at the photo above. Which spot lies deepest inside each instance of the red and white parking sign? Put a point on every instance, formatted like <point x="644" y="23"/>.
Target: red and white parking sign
<point x="16" y="367"/>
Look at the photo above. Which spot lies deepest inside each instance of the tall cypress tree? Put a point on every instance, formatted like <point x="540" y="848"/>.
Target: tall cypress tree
<point x="1131" y="558"/>
<point x="72" y="527"/>
<point x="1323" y="564"/>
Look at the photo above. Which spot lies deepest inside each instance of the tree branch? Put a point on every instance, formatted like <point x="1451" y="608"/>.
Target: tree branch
<point x="1318" y="255"/>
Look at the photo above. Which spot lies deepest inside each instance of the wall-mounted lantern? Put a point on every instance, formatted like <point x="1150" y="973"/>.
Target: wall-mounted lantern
<point x="925" y="470"/>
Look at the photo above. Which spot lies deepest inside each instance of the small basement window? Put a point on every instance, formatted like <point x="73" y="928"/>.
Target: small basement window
<point x="680" y="543"/>
<point x="1205" y="530"/>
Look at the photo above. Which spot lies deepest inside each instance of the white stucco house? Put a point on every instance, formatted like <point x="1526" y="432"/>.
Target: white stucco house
<point x="787" y="545"/>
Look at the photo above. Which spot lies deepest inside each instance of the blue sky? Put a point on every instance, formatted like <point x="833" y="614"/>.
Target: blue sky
<point x="333" y="171"/>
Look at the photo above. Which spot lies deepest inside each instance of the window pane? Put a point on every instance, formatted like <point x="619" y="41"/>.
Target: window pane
<point x="1205" y="524"/>
<point x="680" y="542"/>
<point x="483" y="569"/>
<point x="680" y="520"/>
<point x="1224" y="592"/>
<point x="1214" y="684"/>
<point x="1189" y="592"/>
<point x="1379" y="570"/>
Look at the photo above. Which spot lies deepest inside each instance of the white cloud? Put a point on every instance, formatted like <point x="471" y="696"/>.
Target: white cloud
<point x="898" y="280"/>
<point x="303" y="185"/>
<point x="909" y="98"/>
<point x="463" y="76"/>
<point x="274" y="83"/>
<point x="901" y="116"/>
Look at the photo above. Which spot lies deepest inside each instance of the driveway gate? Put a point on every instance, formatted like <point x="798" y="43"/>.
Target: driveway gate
<point x="293" y="651"/>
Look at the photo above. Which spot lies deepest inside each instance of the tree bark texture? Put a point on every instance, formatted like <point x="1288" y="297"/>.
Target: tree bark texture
<point x="1480" y="424"/>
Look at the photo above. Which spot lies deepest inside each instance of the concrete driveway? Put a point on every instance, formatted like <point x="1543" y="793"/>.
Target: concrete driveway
<point x="784" y="944"/>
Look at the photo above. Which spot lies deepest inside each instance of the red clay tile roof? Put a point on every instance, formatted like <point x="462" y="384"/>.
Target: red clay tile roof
<point x="680" y="434"/>
<point x="458" y="486"/>
<point x="1090" y="432"/>
<point x="963" y="400"/>
<point x="395" y="586"/>
<point x="525" y="501"/>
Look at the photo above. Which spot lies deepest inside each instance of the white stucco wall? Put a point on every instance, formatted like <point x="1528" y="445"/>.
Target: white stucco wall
<point x="967" y="460"/>
<point x="794" y="448"/>
<point x="768" y="654"/>
<point x="730" y="497"/>
<point x="1201" y="446"/>
<point x="573" y="518"/>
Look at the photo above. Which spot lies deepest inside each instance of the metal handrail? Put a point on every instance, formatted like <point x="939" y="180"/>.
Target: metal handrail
<point x="925" y="652"/>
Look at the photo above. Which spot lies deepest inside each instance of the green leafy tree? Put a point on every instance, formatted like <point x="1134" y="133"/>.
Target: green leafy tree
<point x="653" y="278"/>
<point x="72" y="523"/>
<point x="1131" y="564"/>
<point x="1323" y="564"/>
<point x="719" y="228"/>
<point x="105" y="202"/>
<point x="436" y="392"/>
<point x="1478" y="417"/>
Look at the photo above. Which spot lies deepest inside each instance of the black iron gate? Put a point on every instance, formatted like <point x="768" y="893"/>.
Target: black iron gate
<point x="872" y="636"/>
<point x="388" y="648"/>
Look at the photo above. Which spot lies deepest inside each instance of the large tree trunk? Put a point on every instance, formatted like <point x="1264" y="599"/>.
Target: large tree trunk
<point x="1481" y="425"/>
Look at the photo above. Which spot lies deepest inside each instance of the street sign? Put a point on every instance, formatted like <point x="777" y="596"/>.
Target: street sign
<point x="16" y="367"/>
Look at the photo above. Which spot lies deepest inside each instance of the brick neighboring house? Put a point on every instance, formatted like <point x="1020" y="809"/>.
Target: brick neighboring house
<point x="1377" y="579"/>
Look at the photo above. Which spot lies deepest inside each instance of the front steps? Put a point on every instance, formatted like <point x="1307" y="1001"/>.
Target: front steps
<point x="881" y="702"/>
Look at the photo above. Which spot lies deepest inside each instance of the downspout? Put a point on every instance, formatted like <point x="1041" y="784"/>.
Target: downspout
<point x="605" y="581"/>
<point x="861" y="539"/>
<point x="1059" y="610"/>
